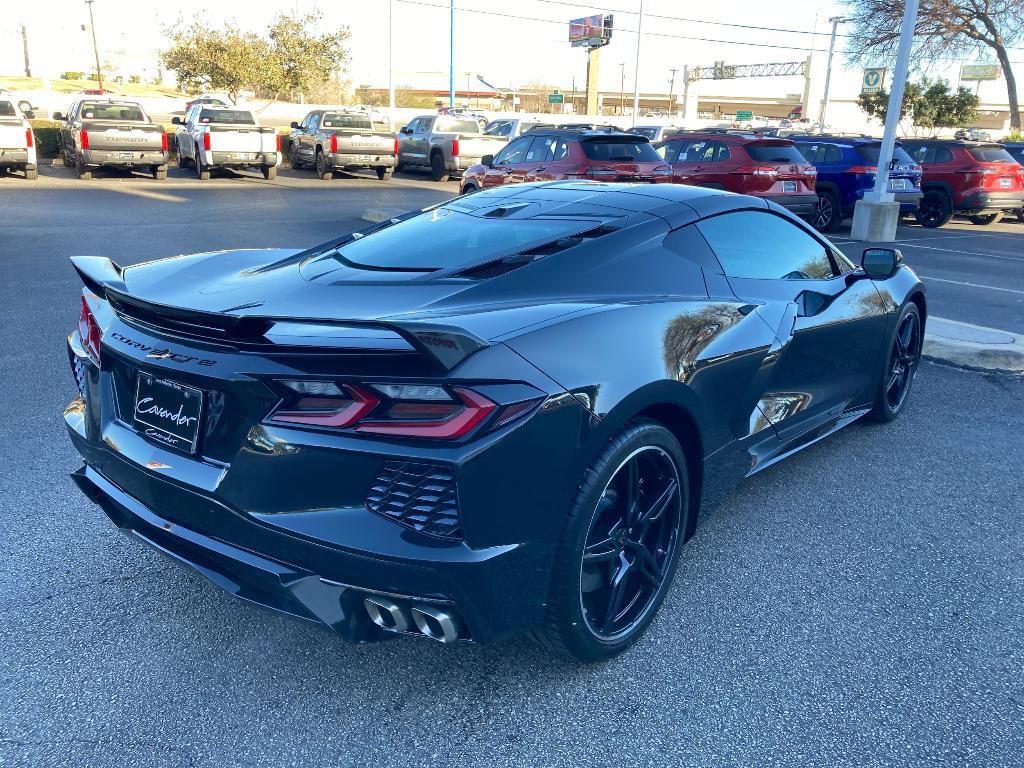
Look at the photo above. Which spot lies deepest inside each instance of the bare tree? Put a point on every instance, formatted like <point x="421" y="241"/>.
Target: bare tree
<point x="945" y="29"/>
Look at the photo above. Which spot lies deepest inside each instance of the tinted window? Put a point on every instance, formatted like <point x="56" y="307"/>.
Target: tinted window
<point x="226" y="116"/>
<point x="774" y="153"/>
<point x="809" y="151"/>
<point x="93" y="111"/>
<point x="513" y="153"/>
<point x="499" y="128"/>
<point x="6" y="109"/>
<point x="990" y="154"/>
<point x="765" y="246"/>
<point x="649" y="132"/>
<point x="832" y="154"/>
<point x="722" y="152"/>
<point x="870" y="152"/>
<point x="1017" y="153"/>
<point x="542" y="148"/>
<point x="943" y="155"/>
<point x="620" y="150"/>
<point x="444" y="238"/>
<point x="561" y="150"/>
<point x="450" y="125"/>
<point x="336" y="120"/>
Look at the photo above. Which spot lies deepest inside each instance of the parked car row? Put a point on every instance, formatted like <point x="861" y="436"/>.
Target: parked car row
<point x="17" y="142"/>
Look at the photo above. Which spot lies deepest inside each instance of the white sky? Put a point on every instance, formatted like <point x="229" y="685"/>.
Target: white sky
<point x="506" y="51"/>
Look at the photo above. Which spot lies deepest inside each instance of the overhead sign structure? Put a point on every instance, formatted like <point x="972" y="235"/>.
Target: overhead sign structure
<point x="980" y="72"/>
<point x="556" y="98"/>
<point x="873" y="80"/>
<point x="590" y="31"/>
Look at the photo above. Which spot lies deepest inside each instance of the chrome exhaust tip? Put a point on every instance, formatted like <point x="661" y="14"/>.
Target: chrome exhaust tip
<point x="436" y="623"/>
<point x="386" y="614"/>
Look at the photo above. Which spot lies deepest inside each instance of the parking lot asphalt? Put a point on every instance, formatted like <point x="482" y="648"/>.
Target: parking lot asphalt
<point x="858" y="604"/>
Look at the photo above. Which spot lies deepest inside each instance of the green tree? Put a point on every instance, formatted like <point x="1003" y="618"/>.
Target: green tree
<point x="930" y="104"/>
<point x="948" y="29"/>
<point x="306" y="55"/>
<point x="229" y="60"/>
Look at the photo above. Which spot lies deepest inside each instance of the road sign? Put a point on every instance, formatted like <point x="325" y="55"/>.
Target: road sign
<point x="873" y="81"/>
<point x="744" y="114"/>
<point x="980" y="72"/>
<point x="556" y="98"/>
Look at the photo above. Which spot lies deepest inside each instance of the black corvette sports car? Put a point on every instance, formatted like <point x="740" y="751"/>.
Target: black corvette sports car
<point x="498" y="415"/>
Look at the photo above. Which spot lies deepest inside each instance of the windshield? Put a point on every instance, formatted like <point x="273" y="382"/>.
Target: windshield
<point x="650" y="132"/>
<point x="130" y="112"/>
<point x="990" y="154"/>
<point x="1017" y="153"/>
<point x="228" y="116"/>
<point x="336" y="120"/>
<point x="7" y="109"/>
<point x="775" y="153"/>
<point x="870" y="152"/>
<point x="450" y="125"/>
<point x="444" y="238"/>
<point x="620" y="150"/>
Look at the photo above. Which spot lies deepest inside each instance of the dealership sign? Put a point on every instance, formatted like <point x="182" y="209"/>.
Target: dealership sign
<point x="980" y="72"/>
<point x="873" y="80"/>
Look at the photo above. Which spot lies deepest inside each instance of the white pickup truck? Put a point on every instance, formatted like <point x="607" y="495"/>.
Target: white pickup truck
<point x="17" y="143"/>
<point x="225" y="137"/>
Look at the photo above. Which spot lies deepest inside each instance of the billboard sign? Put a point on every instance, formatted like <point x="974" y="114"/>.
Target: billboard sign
<point x="980" y="72"/>
<point x="873" y="80"/>
<point x="590" y="31"/>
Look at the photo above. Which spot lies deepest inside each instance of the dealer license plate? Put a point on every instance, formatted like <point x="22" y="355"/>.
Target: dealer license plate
<point x="168" y="412"/>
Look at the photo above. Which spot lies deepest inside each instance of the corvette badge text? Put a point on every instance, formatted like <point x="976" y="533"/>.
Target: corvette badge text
<point x="159" y="354"/>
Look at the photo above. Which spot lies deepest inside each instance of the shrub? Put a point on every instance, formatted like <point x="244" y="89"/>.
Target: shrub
<point x="71" y="75"/>
<point x="47" y="133"/>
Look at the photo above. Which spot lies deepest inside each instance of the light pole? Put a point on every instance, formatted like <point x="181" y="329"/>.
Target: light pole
<point x="671" y="89"/>
<point x="451" y="54"/>
<point x="95" y="49"/>
<point x="391" y="76"/>
<point x="828" y="73"/>
<point x="636" y="72"/>
<point x="622" y="88"/>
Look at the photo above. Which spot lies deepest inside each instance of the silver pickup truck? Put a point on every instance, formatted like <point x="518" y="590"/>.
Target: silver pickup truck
<point x="444" y="145"/>
<point x="225" y="137"/>
<point x="332" y="140"/>
<point x="111" y="133"/>
<point x="17" y="142"/>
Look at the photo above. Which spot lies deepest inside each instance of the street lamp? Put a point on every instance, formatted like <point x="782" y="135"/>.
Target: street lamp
<point x="836" y="21"/>
<point x="95" y="49"/>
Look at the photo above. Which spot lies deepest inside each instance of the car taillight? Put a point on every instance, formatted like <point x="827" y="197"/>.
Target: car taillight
<point x="455" y="147"/>
<point x="862" y="169"/>
<point x="334" y="144"/>
<point x="810" y="170"/>
<point x="29" y="139"/>
<point x="396" y="146"/>
<point x="163" y="141"/>
<point x="758" y="170"/>
<point x="89" y="332"/>
<point x="402" y="410"/>
<point x="83" y="137"/>
<point x="277" y="143"/>
<point x="206" y="141"/>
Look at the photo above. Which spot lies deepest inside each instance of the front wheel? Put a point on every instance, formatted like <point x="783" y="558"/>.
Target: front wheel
<point x="826" y="215"/>
<point x="293" y="159"/>
<point x="384" y="173"/>
<point x="469" y="189"/>
<point x="985" y="220"/>
<point x="438" y="170"/>
<point x="901" y="365"/>
<point x="619" y="545"/>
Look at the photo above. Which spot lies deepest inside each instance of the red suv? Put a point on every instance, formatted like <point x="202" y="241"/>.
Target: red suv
<point x="980" y="180"/>
<point x="547" y="155"/>
<point x="772" y="168"/>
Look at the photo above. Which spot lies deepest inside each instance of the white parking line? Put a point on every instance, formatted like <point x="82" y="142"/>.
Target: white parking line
<point x="960" y="250"/>
<point x="972" y="285"/>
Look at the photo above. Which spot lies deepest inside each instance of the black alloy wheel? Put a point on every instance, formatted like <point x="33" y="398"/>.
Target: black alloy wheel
<point x="630" y="545"/>
<point x="904" y="358"/>
<point x="322" y="170"/>
<point x="826" y="215"/>
<point x="983" y="220"/>
<point x="934" y="210"/>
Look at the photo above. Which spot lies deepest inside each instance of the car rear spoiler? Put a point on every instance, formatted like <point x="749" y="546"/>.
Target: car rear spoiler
<point x="445" y="345"/>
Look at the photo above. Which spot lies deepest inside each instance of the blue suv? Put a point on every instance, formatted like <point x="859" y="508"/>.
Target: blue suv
<point x="1016" y="150"/>
<point x="846" y="170"/>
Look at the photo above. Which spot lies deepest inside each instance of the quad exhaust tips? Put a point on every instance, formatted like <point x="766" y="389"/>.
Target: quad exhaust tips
<point x="436" y="622"/>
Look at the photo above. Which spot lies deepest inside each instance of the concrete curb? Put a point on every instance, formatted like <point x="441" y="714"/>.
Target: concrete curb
<point x="381" y="214"/>
<point x="973" y="346"/>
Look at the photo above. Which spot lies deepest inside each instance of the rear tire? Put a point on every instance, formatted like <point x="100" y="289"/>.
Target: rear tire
<point x="827" y="215"/>
<point x="1020" y="215"/>
<point x="985" y="220"/>
<point x="598" y="553"/>
<point x="934" y="210"/>
<point x="469" y="189"/>
<point x="31" y="173"/>
<point x="202" y="172"/>
<point x="269" y="172"/>
<point x="438" y="171"/>
<point x="159" y="172"/>
<point x="325" y="173"/>
<point x="900" y="366"/>
<point x="384" y="173"/>
<point x="82" y="170"/>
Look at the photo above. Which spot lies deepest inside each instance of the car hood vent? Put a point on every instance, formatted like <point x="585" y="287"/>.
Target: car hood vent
<point x="503" y="211"/>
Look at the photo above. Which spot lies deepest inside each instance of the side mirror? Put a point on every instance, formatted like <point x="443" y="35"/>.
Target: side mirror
<point x="294" y="124"/>
<point x="880" y="263"/>
<point x="58" y="116"/>
<point x="406" y="129"/>
<point x="488" y="160"/>
<point x="176" y="121"/>
<point x="29" y="114"/>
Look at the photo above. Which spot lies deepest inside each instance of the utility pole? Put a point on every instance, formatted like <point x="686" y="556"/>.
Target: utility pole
<point x="451" y="54"/>
<point x="95" y="48"/>
<point x="391" y="75"/>
<point x="24" y="46"/>
<point x="636" y="73"/>
<point x="828" y="74"/>
<point x="671" y="89"/>
<point x="622" y="88"/>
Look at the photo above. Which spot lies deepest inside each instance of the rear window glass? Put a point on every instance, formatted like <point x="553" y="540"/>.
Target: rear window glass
<point x="499" y="128"/>
<point x="230" y="116"/>
<point x="445" y="238"/>
<point x="650" y="132"/>
<point x="620" y="150"/>
<point x="990" y="154"/>
<point x="774" y="153"/>
<point x="1017" y="153"/>
<point x="335" y="120"/>
<point x="448" y="125"/>
<point x="6" y="109"/>
<point x="131" y="112"/>
<point x="870" y="152"/>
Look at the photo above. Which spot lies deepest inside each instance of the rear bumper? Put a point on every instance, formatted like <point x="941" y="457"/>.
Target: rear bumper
<point x="17" y="157"/>
<point x="122" y="158"/>
<point x="361" y="161"/>
<point x="227" y="159"/>
<point x="908" y="200"/>
<point x="992" y="201"/>
<point x="801" y="205"/>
